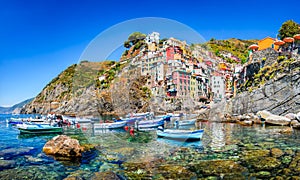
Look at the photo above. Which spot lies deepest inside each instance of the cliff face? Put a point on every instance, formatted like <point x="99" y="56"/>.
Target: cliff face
<point x="79" y="90"/>
<point x="279" y="95"/>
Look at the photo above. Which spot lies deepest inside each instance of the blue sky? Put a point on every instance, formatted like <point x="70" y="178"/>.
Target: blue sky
<point x="39" y="39"/>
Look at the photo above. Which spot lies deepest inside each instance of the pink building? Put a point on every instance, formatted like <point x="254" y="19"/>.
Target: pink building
<point x="181" y="81"/>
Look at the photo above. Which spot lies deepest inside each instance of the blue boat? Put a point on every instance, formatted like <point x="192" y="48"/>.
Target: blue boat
<point x="184" y="135"/>
<point x="150" y="123"/>
<point x="131" y="120"/>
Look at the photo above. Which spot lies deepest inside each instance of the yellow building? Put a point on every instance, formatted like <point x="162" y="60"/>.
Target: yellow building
<point x="152" y="47"/>
<point x="267" y="42"/>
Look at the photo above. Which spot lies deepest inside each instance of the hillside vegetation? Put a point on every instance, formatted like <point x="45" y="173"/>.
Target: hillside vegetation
<point x="237" y="47"/>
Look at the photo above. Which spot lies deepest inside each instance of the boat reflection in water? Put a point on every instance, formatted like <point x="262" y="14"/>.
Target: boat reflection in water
<point x="176" y="144"/>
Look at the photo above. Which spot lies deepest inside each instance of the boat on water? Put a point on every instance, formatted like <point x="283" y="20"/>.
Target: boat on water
<point x="146" y="114"/>
<point x="14" y="121"/>
<point x="131" y="120"/>
<point x="30" y="128"/>
<point x="149" y="123"/>
<point x="178" y="134"/>
<point x="113" y="125"/>
<point x="185" y="122"/>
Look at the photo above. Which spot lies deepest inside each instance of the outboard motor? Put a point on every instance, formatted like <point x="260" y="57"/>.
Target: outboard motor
<point x="160" y="128"/>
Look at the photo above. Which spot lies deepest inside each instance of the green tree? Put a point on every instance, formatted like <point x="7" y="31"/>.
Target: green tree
<point x="136" y="37"/>
<point x="127" y="44"/>
<point x="288" y="29"/>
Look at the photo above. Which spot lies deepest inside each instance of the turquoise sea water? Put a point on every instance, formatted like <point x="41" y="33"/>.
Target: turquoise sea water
<point x="226" y="151"/>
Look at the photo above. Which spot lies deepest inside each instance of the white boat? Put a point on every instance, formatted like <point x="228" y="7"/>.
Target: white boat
<point x="27" y="120"/>
<point x="146" y="114"/>
<point x="75" y="120"/>
<point x="113" y="125"/>
<point x="186" y="135"/>
<point x="149" y="123"/>
<point x="185" y="122"/>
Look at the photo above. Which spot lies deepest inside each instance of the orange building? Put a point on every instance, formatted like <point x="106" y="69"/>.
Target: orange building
<point x="267" y="42"/>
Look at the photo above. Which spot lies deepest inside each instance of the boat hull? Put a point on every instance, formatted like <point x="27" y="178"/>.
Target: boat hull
<point x="185" y="122"/>
<point x="114" y="125"/>
<point x="150" y="123"/>
<point x="181" y="135"/>
<point x="40" y="129"/>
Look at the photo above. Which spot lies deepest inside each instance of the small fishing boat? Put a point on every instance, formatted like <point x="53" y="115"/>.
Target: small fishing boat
<point x="114" y="125"/>
<point x="132" y="120"/>
<point x="146" y="114"/>
<point x="27" y="128"/>
<point x="15" y="121"/>
<point x="185" y="122"/>
<point x="186" y="135"/>
<point x="149" y="123"/>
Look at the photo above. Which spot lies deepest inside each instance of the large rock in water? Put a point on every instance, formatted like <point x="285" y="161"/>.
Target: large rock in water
<point x="273" y="119"/>
<point x="63" y="147"/>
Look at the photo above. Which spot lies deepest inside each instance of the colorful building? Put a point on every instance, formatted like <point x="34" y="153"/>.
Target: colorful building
<point x="181" y="79"/>
<point x="173" y="52"/>
<point x="265" y="43"/>
<point x="218" y="87"/>
<point x="150" y="60"/>
<point x="152" y="38"/>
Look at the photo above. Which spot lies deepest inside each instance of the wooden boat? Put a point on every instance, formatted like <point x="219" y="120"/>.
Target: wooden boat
<point x="114" y="125"/>
<point x="149" y="123"/>
<point x="185" y="122"/>
<point x="186" y="135"/>
<point x="27" y="128"/>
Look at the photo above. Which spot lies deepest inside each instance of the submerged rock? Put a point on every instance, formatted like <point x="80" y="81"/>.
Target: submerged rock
<point x="276" y="152"/>
<point x="267" y="163"/>
<point x="175" y="172"/>
<point x="13" y="152"/>
<point x="251" y="154"/>
<point x="217" y="168"/>
<point x="63" y="146"/>
<point x="30" y="172"/>
<point x="295" y="165"/>
<point x="260" y="159"/>
<point x="5" y="164"/>
<point x="287" y="130"/>
<point x="105" y="176"/>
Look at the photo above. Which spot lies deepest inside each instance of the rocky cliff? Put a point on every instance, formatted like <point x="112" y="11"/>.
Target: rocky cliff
<point x="93" y="89"/>
<point x="275" y="88"/>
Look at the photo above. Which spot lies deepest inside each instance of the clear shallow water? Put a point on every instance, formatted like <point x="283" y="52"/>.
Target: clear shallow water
<point x="226" y="150"/>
